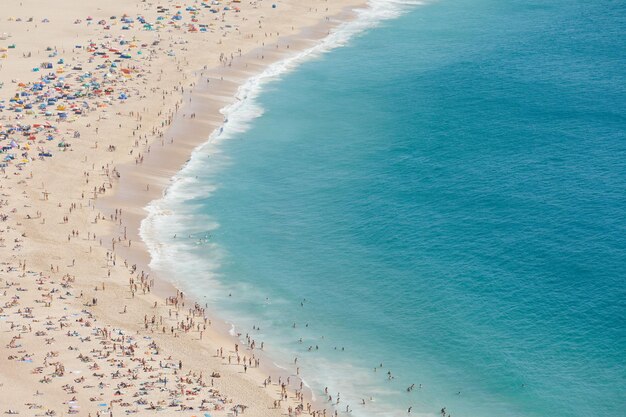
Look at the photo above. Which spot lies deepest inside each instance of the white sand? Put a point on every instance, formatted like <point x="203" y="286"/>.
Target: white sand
<point x="59" y="353"/>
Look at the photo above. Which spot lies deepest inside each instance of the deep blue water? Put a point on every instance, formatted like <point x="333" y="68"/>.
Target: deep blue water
<point x="448" y="193"/>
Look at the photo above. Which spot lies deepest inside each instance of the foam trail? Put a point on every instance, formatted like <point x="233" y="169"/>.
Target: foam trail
<point x="190" y="267"/>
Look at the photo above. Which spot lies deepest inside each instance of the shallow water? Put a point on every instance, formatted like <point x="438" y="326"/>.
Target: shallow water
<point x="445" y="195"/>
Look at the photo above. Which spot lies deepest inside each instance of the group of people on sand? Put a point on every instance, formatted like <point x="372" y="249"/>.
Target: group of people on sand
<point x="52" y="318"/>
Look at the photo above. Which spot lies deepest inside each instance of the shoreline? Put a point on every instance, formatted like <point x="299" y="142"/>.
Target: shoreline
<point x="309" y="43"/>
<point x="86" y="281"/>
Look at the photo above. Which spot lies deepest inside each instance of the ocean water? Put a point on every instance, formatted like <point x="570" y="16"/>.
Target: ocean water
<point x="444" y="195"/>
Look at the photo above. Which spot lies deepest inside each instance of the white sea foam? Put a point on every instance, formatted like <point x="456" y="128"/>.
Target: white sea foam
<point x="189" y="267"/>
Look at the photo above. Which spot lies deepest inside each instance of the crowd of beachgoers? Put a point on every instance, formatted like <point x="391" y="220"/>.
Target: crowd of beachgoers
<point x="87" y="88"/>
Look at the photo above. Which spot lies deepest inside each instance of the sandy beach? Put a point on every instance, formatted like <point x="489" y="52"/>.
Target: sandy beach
<point x="101" y="103"/>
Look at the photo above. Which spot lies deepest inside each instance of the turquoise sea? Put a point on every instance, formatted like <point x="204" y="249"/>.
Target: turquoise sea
<point x="444" y="194"/>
